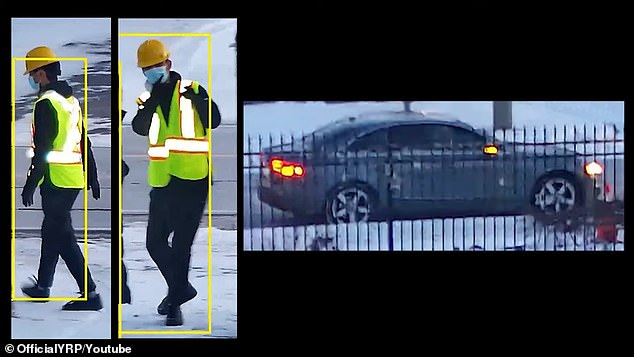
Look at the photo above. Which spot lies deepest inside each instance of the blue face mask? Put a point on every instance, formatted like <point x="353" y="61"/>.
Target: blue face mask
<point x="33" y="84"/>
<point x="155" y="74"/>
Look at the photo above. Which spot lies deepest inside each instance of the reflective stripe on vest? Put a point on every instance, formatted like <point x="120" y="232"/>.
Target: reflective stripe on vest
<point x="187" y="112"/>
<point x="63" y="157"/>
<point x="187" y="145"/>
<point x="158" y="168"/>
<point x="156" y="152"/>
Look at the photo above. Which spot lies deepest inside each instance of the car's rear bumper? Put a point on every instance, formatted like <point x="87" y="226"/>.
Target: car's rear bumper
<point x="275" y="199"/>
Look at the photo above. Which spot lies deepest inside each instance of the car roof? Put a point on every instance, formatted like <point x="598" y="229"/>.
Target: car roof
<point x="372" y="120"/>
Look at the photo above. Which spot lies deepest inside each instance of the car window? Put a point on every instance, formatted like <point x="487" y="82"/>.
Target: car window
<point x="465" y="139"/>
<point x="373" y="141"/>
<point x="420" y="137"/>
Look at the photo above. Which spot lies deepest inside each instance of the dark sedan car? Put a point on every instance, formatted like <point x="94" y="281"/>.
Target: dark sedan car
<point x="420" y="165"/>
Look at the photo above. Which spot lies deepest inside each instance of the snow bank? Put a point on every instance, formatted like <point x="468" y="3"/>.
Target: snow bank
<point x="148" y="286"/>
<point x="474" y="233"/>
<point x="47" y="320"/>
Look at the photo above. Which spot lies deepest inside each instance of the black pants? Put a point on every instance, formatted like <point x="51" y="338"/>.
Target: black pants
<point x="176" y="208"/>
<point x="124" y="276"/>
<point x="58" y="237"/>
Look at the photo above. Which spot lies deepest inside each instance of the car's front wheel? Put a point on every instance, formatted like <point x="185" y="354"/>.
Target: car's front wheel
<point x="350" y="203"/>
<point x="556" y="197"/>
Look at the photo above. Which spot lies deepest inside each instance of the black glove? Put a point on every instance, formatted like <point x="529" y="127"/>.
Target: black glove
<point x="189" y="93"/>
<point x="29" y="187"/>
<point x="94" y="187"/>
<point x="149" y="104"/>
<point x="199" y="102"/>
<point x="27" y="196"/>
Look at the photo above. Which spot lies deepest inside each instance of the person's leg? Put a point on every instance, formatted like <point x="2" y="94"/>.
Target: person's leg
<point x="187" y="221"/>
<point x="72" y="255"/>
<point x="158" y="231"/>
<point x="68" y="248"/>
<point x="49" y="252"/>
<point x="49" y="249"/>
<point x="191" y="198"/>
<point x="126" y="298"/>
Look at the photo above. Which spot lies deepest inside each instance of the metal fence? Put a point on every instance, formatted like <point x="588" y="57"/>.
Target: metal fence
<point x="440" y="187"/>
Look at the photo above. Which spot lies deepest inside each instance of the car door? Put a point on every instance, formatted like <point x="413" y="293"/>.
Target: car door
<point x="470" y="171"/>
<point x="484" y="182"/>
<point x="418" y="168"/>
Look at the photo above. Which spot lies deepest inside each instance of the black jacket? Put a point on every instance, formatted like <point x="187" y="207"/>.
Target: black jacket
<point x="45" y="133"/>
<point x="162" y="95"/>
<point x="125" y="169"/>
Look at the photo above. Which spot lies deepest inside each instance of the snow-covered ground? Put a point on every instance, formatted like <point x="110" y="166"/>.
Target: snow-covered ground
<point x="148" y="286"/>
<point x="47" y="320"/>
<point x="473" y="233"/>
<point x="189" y="57"/>
<point x="67" y="37"/>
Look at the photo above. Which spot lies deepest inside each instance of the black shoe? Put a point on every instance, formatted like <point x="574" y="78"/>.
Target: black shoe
<point x="92" y="304"/>
<point x="190" y="293"/>
<point x="174" y="316"/>
<point x="125" y="296"/>
<point x="35" y="291"/>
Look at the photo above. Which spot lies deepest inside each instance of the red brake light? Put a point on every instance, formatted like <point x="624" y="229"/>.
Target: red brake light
<point x="286" y="168"/>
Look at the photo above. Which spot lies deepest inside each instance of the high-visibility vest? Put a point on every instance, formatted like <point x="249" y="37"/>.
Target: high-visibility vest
<point x="186" y="140"/>
<point x="158" y="168"/>
<point x="65" y="168"/>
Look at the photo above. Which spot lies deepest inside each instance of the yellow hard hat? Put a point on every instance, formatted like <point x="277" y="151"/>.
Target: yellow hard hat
<point x="151" y="52"/>
<point x="39" y="52"/>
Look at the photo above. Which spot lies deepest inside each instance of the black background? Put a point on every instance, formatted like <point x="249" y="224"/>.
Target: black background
<point x="307" y="302"/>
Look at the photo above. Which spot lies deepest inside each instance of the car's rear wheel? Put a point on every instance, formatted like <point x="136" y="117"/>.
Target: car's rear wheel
<point x="556" y="197"/>
<point x="350" y="203"/>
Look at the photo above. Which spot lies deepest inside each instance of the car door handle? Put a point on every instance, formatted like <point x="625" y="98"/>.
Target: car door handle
<point x="388" y="169"/>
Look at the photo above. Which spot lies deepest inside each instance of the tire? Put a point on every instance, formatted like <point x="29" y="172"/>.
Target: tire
<point x="556" y="198"/>
<point x="351" y="202"/>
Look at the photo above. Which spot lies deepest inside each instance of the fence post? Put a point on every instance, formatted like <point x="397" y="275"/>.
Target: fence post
<point x="390" y="233"/>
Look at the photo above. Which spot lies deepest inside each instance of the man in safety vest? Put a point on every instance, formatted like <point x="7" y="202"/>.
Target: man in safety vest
<point x="58" y="166"/>
<point x="174" y="115"/>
